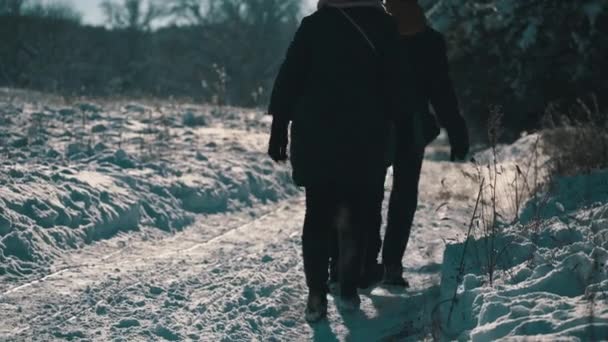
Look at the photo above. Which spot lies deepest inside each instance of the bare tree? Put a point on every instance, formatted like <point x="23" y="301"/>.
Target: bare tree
<point x="137" y="15"/>
<point x="12" y="7"/>
<point x="192" y="12"/>
<point x="37" y="8"/>
<point x="244" y="38"/>
<point x="245" y="11"/>
<point x="59" y="10"/>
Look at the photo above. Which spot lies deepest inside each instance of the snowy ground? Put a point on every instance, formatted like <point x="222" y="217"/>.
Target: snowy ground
<point x="191" y="233"/>
<point x="551" y="272"/>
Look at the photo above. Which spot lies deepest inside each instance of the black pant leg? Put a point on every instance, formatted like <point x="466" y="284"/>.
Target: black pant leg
<point x="333" y="254"/>
<point x="367" y="210"/>
<point x="402" y="205"/>
<point x="350" y="246"/>
<point x="318" y="223"/>
<point x="360" y="216"/>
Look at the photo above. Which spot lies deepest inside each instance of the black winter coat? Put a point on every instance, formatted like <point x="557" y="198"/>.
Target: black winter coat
<point x="427" y="54"/>
<point x="339" y="95"/>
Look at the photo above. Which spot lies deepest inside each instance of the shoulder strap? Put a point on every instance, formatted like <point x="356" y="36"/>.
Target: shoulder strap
<point x="354" y="23"/>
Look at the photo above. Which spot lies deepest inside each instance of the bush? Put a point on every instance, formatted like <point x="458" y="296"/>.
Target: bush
<point x="523" y="55"/>
<point x="576" y="141"/>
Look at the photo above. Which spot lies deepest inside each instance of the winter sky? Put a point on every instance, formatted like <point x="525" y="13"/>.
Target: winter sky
<point x="92" y="13"/>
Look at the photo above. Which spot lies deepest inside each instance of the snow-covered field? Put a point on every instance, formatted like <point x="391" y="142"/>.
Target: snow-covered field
<point x="144" y="221"/>
<point x="74" y="174"/>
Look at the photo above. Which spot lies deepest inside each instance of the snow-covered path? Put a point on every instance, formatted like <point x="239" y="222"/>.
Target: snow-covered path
<point x="231" y="278"/>
<point x="233" y="274"/>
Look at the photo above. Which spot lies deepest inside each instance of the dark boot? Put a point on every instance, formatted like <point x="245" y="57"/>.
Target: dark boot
<point x="348" y="302"/>
<point x="372" y="276"/>
<point x="316" y="307"/>
<point x="393" y="275"/>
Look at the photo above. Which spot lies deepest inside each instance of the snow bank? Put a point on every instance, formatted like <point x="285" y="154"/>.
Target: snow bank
<point x="517" y="152"/>
<point x="568" y="194"/>
<point x="550" y="278"/>
<point x="72" y="175"/>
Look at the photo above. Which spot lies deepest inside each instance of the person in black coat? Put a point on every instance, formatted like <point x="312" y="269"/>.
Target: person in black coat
<point x="425" y="50"/>
<point x="338" y="89"/>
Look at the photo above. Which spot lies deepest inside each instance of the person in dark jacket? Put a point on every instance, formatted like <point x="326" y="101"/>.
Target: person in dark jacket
<point x="339" y="95"/>
<point x="425" y="49"/>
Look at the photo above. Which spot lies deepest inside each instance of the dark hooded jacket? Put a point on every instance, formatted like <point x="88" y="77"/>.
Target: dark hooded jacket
<point x="340" y="95"/>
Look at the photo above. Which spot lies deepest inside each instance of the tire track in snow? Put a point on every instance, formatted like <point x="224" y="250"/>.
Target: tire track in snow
<point x="111" y="256"/>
